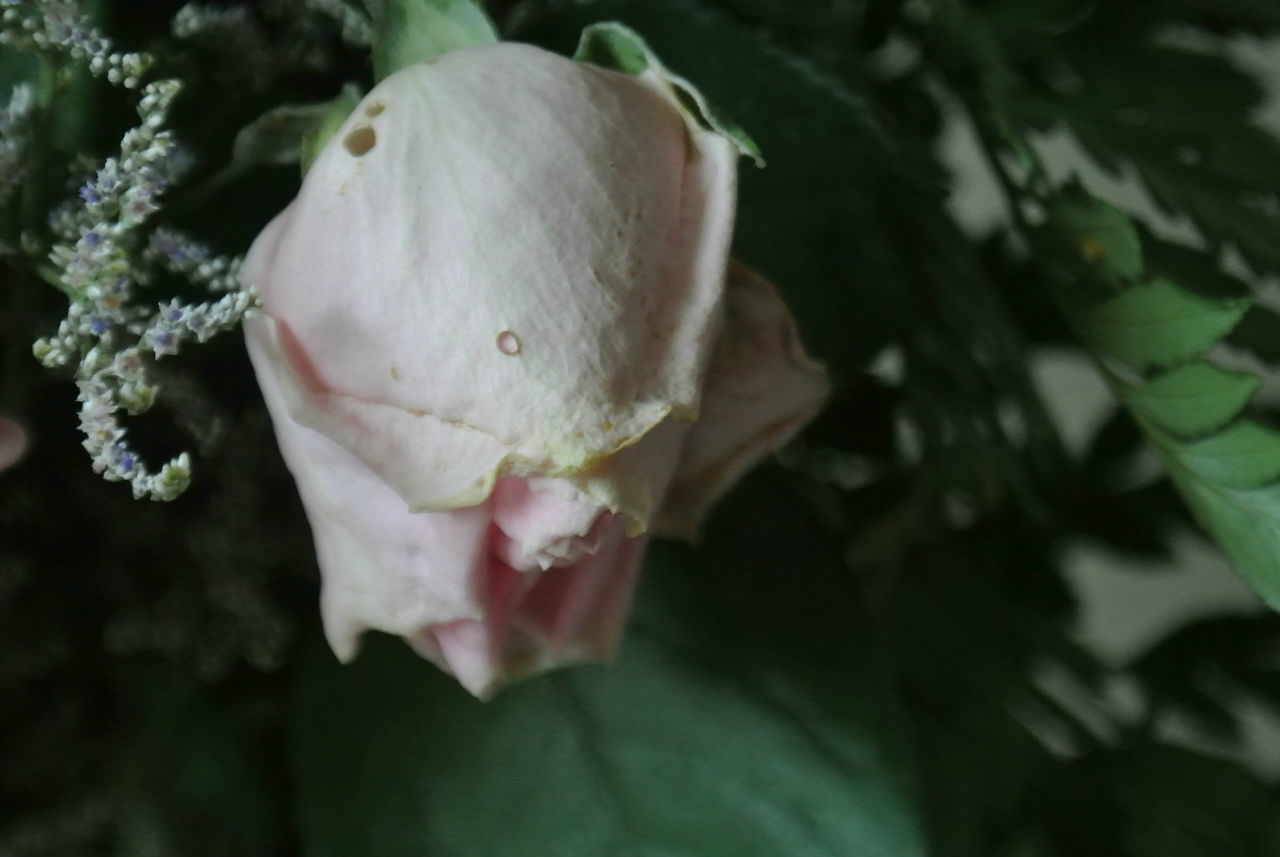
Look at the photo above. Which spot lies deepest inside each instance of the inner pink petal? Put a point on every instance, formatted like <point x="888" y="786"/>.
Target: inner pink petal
<point x="534" y="620"/>
<point x="568" y="605"/>
<point x="502" y="588"/>
<point x="544" y="529"/>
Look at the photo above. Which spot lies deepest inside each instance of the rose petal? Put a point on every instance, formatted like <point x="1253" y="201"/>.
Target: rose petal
<point x="384" y="567"/>
<point x="580" y="611"/>
<point x="761" y="389"/>
<point x="570" y="615"/>
<point x="550" y="282"/>
<point x="379" y="435"/>
<point x="634" y="482"/>
<point x="538" y="528"/>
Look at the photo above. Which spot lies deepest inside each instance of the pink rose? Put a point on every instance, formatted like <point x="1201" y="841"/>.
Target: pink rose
<point x="499" y="349"/>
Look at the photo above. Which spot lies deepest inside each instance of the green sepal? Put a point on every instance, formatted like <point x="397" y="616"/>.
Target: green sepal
<point x="617" y="47"/>
<point x="291" y="133"/>
<point x="326" y="123"/>
<point x="412" y="31"/>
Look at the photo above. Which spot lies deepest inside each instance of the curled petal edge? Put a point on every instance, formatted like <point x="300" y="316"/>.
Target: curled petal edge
<point x="761" y="389"/>
<point x="399" y="444"/>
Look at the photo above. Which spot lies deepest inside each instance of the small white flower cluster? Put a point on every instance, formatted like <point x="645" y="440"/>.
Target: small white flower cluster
<point x="194" y="19"/>
<point x="14" y="134"/>
<point x="100" y="260"/>
<point x="59" y="25"/>
<point x="178" y="254"/>
<point x="15" y="152"/>
<point x="217" y="26"/>
<point x="176" y="321"/>
<point x="300" y="36"/>
<point x="352" y="25"/>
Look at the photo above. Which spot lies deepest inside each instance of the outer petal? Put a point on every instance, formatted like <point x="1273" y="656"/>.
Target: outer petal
<point x="501" y="199"/>
<point x="383" y="567"/>
<point x="761" y="389"/>
<point x="394" y="442"/>
<point x="634" y="482"/>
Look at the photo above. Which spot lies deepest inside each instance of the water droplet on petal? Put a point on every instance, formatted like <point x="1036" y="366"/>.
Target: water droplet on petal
<point x="508" y="343"/>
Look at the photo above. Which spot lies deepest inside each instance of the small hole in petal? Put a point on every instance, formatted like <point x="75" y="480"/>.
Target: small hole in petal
<point x="375" y="108"/>
<point x="360" y="141"/>
<point x="508" y="343"/>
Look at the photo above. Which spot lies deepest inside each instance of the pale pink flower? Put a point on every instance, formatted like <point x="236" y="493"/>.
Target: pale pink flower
<point x="498" y="348"/>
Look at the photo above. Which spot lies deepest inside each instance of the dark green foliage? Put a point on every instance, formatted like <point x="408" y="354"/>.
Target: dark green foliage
<point x="1151" y="800"/>
<point x="740" y="720"/>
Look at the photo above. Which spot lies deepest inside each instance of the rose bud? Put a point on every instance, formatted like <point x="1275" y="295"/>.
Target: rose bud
<point x="498" y="348"/>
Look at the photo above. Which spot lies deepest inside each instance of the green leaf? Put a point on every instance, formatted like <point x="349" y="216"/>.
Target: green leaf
<point x="1231" y="482"/>
<point x="1244" y="522"/>
<point x="1193" y="400"/>
<point x="1245" y="455"/>
<point x="744" y="718"/>
<point x="1228" y="478"/>
<point x="616" y="46"/>
<point x="1100" y="233"/>
<point x="413" y="31"/>
<point x="657" y="755"/>
<point x="291" y="133"/>
<point x="1158" y="324"/>
<point x="1214" y="164"/>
